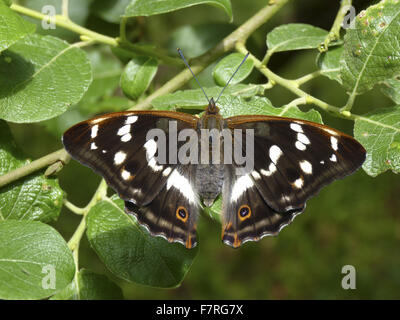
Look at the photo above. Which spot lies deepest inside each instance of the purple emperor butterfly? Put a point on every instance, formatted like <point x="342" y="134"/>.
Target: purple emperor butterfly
<point x="292" y="160"/>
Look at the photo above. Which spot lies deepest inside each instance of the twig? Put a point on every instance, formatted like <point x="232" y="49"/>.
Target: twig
<point x="60" y="155"/>
<point x="61" y="21"/>
<point x="334" y="33"/>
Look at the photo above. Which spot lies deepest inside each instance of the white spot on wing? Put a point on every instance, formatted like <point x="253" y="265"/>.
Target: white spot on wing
<point x="94" y="131"/>
<point x="241" y="185"/>
<point x="179" y="182"/>
<point x="271" y="170"/>
<point x="93" y="146"/>
<point x="126" y="137"/>
<point x="334" y="143"/>
<point x="298" y="183"/>
<point x="306" y="167"/>
<point x="296" y="127"/>
<point x="151" y="148"/>
<point x="275" y="153"/>
<point x="119" y="157"/>
<point x="256" y="175"/>
<point x="167" y="171"/>
<point x="131" y="119"/>
<point x="125" y="175"/>
<point x="153" y="165"/>
<point x="303" y="138"/>
<point x="300" y="146"/>
<point x="333" y="158"/>
<point x="124" y="130"/>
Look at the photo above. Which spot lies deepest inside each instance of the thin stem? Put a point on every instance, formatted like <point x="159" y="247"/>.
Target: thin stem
<point x="60" y="155"/>
<point x="86" y="34"/>
<point x="308" y="77"/>
<point x="291" y="85"/>
<point x="74" y="242"/>
<point x="350" y="102"/>
<point x="334" y="33"/>
<point x="100" y="194"/>
<point x="122" y="29"/>
<point x="267" y="56"/>
<point x="67" y="24"/>
<point x="65" y="9"/>
<point x="74" y="208"/>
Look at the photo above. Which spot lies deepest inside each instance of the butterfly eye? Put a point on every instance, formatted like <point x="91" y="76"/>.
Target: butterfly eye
<point x="182" y="214"/>
<point x="244" y="212"/>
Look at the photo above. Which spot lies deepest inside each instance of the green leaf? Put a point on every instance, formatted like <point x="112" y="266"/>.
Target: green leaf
<point x="130" y="252"/>
<point x="137" y="76"/>
<point x="391" y="88"/>
<point x="152" y="7"/>
<point x="90" y="286"/>
<point x="8" y="3"/>
<point x="329" y="63"/>
<point x="31" y="198"/>
<point x="12" y="27"/>
<point x="295" y="36"/>
<point x="110" y="10"/>
<point x="107" y="71"/>
<point x="194" y="99"/>
<point x="379" y="133"/>
<point x="371" y="50"/>
<point x="228" y="65"/>
<point x="234" y="106"/>
<point x="194" y="40"/>
<point x="35" y="261"/>
<point x="215" y="210"/>
<point x="42" y="77"/>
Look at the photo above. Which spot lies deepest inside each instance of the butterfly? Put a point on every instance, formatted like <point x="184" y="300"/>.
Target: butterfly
<point x="292" y="160"/>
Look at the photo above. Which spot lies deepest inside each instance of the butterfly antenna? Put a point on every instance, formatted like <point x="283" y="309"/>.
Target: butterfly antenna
<point x="237" y="69"/>
<point x="187" y="65"/>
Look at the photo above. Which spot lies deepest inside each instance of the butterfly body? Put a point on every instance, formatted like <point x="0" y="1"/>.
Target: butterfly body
<point x="164" y="164"/>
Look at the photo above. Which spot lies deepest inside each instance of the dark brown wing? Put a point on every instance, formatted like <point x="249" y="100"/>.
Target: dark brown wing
<point x="115" y="146"/>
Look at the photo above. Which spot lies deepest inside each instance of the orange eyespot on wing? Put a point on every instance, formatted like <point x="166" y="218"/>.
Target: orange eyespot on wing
<point x="182" y="214"/>
<point x="244" y="212"/>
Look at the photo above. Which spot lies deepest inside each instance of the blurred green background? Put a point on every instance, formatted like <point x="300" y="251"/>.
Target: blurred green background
<point x="354" y="221"/>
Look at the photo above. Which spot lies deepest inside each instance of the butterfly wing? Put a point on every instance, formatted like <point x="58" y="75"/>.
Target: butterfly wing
<point x="117" y="147"/>
<point x="173" y="213"/>
<point x="293" y="160"/>
<point x="160" y="195"/>
<point x="246" y="215"/>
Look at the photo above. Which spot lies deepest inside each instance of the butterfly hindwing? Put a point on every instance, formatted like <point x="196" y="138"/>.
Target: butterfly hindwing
<point x="294" y="159"/>
<point x="116" y="147"/>
<point x="173" y="213"/>
<point x="246" y="216"/>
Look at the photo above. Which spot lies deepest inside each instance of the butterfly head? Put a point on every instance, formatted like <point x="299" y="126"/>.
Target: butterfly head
<point x="212" y="109"/>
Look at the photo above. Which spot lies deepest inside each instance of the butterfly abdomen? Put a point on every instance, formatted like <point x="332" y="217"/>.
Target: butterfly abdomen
<point x="210" y="179"/>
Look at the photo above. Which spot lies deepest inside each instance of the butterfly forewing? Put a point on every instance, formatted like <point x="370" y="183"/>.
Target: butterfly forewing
<point x="116" y="147"/>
